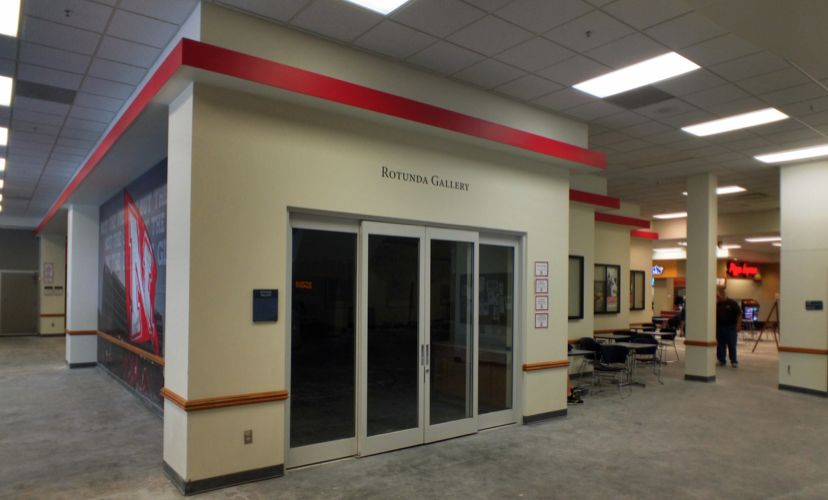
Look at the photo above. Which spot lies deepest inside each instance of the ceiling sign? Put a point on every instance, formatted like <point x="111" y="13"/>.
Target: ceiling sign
<point x="741" y="270"/>
<point x="657" y="270"/>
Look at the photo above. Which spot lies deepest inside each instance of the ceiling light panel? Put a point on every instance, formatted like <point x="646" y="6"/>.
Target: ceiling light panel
<point x="5" y="90"/>
<point x="776" y="244"/>
<point x="726" y="190"/>
<point x="731" y="247"/>
<point x="796" y="154"/>
<point x="764" y="239"/>
<point x="384" y="7"/>
<point x="638" y="75"/>
<point x="667" y="249"/>
<point x="2" y="168"/>
<point x="677" y="215"/>
<point x="737" y="122"/>
<point x="4" y="136"/>
<point x="9" y="17"/>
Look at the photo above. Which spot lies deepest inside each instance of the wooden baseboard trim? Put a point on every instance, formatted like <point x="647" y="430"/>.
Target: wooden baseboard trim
<point x="803" y="350"/>
<point x="224" y="401"/>
<point x="699" y="378"/>
<point x="129" y="347"/>
<point x="213" y="483"/>
<point x="546" y="365"/>
<point x="91" y="364"/>
<point x="56" y="315"/>
<point x="701" y="343"/>
<point x="81" y="332"/>
<point x="803" y="390"/>
<point x="531" y="419"/>
<point x="52" y="334"/>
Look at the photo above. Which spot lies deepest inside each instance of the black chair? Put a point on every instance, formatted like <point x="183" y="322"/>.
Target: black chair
<point x="589" y="344"/>
<point x="649" y="354"/>
<point x="648" y="327"/>
<point x="668" y="338"/>
<point x="613" y="361"/>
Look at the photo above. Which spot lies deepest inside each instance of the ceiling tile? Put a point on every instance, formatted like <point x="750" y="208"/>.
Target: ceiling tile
<point x="84" y="135"/>
<point x="98" y="102"/>
<point x="8" y="47"/>
<point x="718" y="50"/>
<point x="749" y="143"/>
<point x="598" y="3"/>
<point x="76" y="143"/>
<point x="777" y="80"/>
<point x="489" y="73"/>
<point x="535" y="54"/>
<point x="642" y="14"/>
<point x="608" y="138"/>
<point x="134" y="54"/>
<point x="593" y="110"/>
<point x="27" y="104"/>
<point x="574" y="70"/>
<point x="621" y="120"/>
<point x="646" y="129"/>
<point x="715" y="95"/>
<point x="35" y="117"/>
<point x="801" y="133"/>
<point x="809" y="92"/>
<point x="663" y="109"/>
<point x="117" y="72"/>
<point x="336" y="19"/>
<point x="175" y="12"/>
<point x="488" y="5"/>
<point x="686" y="119"/>
<point x="815" y="119"/>
<point x="490" y="36"/>
<point x="107" y="88"/>
<point x="30" y="137"/>
<point x="394" y="40"/>
<point x="91" y="114"/>
<point x="668" y="137"/>
<point x="71" y="151"/>
<point x="66" y="157"/>
<point x="601" y="28"/>
<point x="46" y="76"/>
<point x="684" y="31"/>
<point x="89" y="16"/>
<point x="22" y="143"/>
<point x="7" y="67"/>
<point x="283" y="10"/>
<point x="141" y="29"/>
<point x="53" y="58"/>
<point x="528" y="87"/>
<point x="653" y="152"/>
<point x="629" y="50"/>
<point x="445" y="58"/>
<point x="737" y="107"/>
<point x="563" y="99"/>
<point x="749" y="66"/>
<point x="59" y="36"/>
<point x="540" y="16"/>
<point x="689" y="83"/>
<point x="440" y="18"/>
<point x="38" y="128"/>
<point x="632" y="145"/>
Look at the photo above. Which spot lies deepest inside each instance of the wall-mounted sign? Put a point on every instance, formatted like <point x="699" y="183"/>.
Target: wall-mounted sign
<point x="265" y="305"/>
<point x="542" y="303"/>
<point x="58" y="290"/>
<point x="541" y="286"/>
<point x="541" y="320"/>
<point x="48" y="290"/>
<point x="743" y="269"/>
<point x="424" y="180"/>
<point x="541" y="268"/>
<point x="814" y="305"/>
<point x="49" y="272"/>
<point x="657" y="270"/>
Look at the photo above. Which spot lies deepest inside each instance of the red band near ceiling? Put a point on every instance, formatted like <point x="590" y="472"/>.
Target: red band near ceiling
<point x="638" y="233"/>
<point x="620" y="219"/>
<point x="594" y="199"/>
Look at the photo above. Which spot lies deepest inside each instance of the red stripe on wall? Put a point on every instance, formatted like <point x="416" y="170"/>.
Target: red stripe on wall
<point x="638" y="233"/>
<point x="619" y="219"/>
<point x="594" y="199"/>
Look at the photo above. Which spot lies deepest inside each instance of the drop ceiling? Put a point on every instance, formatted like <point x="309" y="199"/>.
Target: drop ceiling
<point x="529" y="50"/>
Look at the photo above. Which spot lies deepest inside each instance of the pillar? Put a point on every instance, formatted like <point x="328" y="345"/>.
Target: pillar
<point x="82" y="287"/>
<point x="702" y="212"/>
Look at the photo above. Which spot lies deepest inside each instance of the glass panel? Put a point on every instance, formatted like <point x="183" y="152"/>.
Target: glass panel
<point x="613" y="288"/>
<point x="393" y="335"/>
<point x="452" y="331"/>
<point x="494" y="368"/>
<point x="323" y="342"/>
<point x="600" y="289"/>
<point x="576" y="287"/>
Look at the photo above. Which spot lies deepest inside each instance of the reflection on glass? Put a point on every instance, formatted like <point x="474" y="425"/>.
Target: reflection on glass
<point x="393" y="340"/>
<point x="494" y="372"/>
<point x="600" y="288"/>
<point x="323" y="342"/>
<point x="452" y="331"/>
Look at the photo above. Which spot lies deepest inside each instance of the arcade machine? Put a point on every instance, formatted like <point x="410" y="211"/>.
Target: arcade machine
<point x="750" y="315"/>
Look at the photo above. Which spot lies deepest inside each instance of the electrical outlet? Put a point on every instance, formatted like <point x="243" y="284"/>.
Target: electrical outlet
<point x="248" y="437"/>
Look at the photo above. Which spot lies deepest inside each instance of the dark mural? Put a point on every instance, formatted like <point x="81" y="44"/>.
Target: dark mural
<point x="132" y="282"/>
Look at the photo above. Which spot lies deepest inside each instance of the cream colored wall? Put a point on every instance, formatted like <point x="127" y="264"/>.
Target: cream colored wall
<point x="612" y="246"/>
<point x="663" y="295"/>
<point x="582" y="243"/>
<point x="253" y="161"/>
<point x="53" y="249"/>
<point x="641" y="259"/>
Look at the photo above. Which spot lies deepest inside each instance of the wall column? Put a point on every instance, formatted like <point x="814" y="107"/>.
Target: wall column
<point x="52" y="311"/>
<point x="82" y="287"/>
<point x="702" y="212"/>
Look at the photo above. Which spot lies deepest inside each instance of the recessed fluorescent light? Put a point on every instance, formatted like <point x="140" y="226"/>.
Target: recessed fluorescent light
<point x="1" y="197"/>
<point x="5" y="90"/>
<point x="667" y="249"/>
<point x="381" y="6"/>
<point x="777" y="244"/>
<point x="763" y="239"/>
<point x="4" y="134"/>
<point x="644" y="73"/>
<point x="1" y="183"/>
<point x="2" y="165"/>
<point x="796" y="154"/>
<point x="731" y="247"/>
<point x="678" y="215"/>
<point x="9" y="17"/>
<point x="726" y="190"/>
<point x="682" y="243"/>
<point x="737" y="122"/>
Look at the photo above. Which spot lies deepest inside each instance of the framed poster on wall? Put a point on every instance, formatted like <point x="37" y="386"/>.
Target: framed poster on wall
<point x="607" y="286"/>
<point x="637" y="290"/>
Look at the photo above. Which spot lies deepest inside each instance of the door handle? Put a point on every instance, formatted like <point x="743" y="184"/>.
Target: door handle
<point x="428" y="358"/>
<point x="422" y="355"/>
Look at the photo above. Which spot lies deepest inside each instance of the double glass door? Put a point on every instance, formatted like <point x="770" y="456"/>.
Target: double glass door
<point x="384" y="338"/>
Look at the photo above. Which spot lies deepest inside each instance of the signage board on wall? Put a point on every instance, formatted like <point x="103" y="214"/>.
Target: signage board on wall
<point x="657" y="270"/>
<point x="741" y="269"/>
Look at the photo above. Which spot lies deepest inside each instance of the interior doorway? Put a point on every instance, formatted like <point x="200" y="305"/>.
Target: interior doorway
<point x="18" y="303"/>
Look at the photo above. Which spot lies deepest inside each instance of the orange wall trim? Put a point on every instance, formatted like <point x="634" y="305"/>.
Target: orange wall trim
<point x="129" y="347"/>
<point x="803" y="350"/>
<point x="223" y="402"/>
<point x="81" y="332"/>
<point x="530" y="367"/>
<point x="701" y="343"/>
<point x="57" y="315"/>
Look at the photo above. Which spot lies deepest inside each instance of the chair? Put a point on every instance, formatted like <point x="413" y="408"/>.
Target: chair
<point x="648" y="327"/>
<point x="668" y="337"/>
<point x="589" y="344"/>
<point x="613" y="361"/>
<point x="649" y="354"/>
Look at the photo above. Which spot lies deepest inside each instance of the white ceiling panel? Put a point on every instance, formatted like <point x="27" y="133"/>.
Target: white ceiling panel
<point x="336" y="19"/>
<point x="107" y="88"/>
<point x="535" y="54"/>
<point x="621" y="120"/>
<point x="716" y="95"/>
<point x="489" y="73"/>
<point x="85" y="135"/>
<point x="8" y="47"/>
<point x="117" y="72"/>
<point x="563" y="99"/>
<point x="684" y="31"/>
<point x="488" y="5"/>
<point x="92" y="114"/>
<point x="749" y="66"/>
<point x="574" y="70"/>
<point x="445" y="58"/>
<point x="49" y="57"/>
<point x="7" y="67"/>
<point x="539" y="16"/>
<point x="394" y="40"/>
<point x="89" y="16"/>
<point x="690" y="83"/>
<point x="490" y="36"/>
<point x="608" y="138"/>
<point x="59" y="36"/>
<point x="686" y="119"/>
<point x="440" y="18"/>
<point x="737" y="107"/>
<point x="37" y="128"/>
<point x="589" y="31"/>
<point x="86" y="125"/>
<point x="141" y="29"/>
<point x="777" y="80"/>
<point x="59" y="164"/>
<point x="36" y="117"/>
<point x="641" y="14"/>
<point x="802" y="133"/>
<point x="653" y="152"/>
<point x="593" y="110"/>
<point x="171" y="11"/>
<point x="646" y="129"/>
<point x="629" y="50"/>
<point x="663" y="109"/>
<point x="76" y="143"/>
<point x="283" y="10"/>
<point x="123" y="51"/>
<point x="810" y="92"/>
<point x="98" y="102"/>
<point x="718" y="50"/>
<point x="815" y="119"/>
<point x="23" y="143"/>
<point x="27" y="104"/>
<point x="66" y="157"/>
<point x="528" y="87"/>
<point x="71" y="151"/>
<point x="632" y="145"/>
<point x="46" y="76"/>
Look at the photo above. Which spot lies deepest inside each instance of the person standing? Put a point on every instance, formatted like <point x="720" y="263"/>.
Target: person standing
<point x="728" y="319"/>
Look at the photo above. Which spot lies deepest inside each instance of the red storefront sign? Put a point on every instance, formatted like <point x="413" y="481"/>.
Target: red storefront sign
<point x="741" y="270"/>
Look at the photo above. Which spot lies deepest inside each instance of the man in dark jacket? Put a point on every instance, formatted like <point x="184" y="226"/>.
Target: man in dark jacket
<point x="728" y="320"/>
